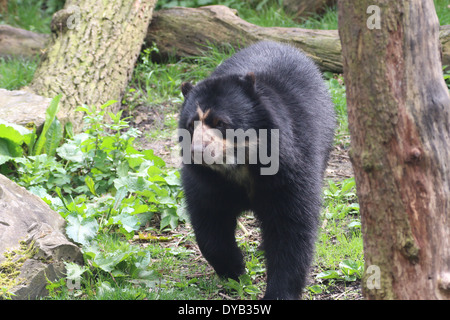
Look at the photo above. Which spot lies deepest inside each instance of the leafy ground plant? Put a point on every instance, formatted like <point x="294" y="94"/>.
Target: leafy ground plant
<point x="101" y="185"/>
<point x="16" y="140"/>
<point x="339" y="258"/>
<point x="127" y="184"/>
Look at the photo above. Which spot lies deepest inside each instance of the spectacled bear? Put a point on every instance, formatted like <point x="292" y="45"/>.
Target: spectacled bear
<point x="277" y="94"/>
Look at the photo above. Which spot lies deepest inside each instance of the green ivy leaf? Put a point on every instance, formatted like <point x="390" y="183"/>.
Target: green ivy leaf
<point x="128" y="222"/>
<point x="15" y="133"/>
<point x="328" y="274"/>
<point x="107" y="261"/>
<point x="315" y="289"/>
<point x="169" y="217"/>
<point x="9" y="150"/>
<point x="71" y="152"/>
<point x="81" y="230"/>
<point x="74" y="270"/>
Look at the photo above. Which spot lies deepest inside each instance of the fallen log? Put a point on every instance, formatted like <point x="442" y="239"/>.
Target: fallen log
<point x="21" y="43"/>
<point x="186" y="32"/>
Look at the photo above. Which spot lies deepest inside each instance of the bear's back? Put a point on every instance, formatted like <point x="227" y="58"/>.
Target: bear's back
<point x="265" y="57"/>
<point x="283" y="68"/>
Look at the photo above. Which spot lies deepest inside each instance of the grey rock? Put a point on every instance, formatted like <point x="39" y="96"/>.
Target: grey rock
<point x="23" y="107"/>
<point x="26" y="219"/>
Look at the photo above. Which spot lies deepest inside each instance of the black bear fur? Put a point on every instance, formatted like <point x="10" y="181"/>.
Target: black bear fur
<point x="267" y="85"/>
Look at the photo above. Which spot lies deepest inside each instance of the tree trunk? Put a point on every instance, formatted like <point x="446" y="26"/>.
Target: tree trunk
<point x="399" y="119"/>
<point x="304" y="8"/>
<point x="93" y="53"/>
<point x="187" y="31"/>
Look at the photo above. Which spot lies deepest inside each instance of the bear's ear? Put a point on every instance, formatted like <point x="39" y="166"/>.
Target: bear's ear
<point x="186" y="87"/>
<point x="249" y="80"/>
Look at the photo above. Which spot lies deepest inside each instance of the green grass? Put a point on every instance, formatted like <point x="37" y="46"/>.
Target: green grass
<point x="173" y="278"/>
<point x="36" y="15"/>
<point x="265" y="13"/>
<point x="160" y="83"/>
<point x="337" y="90"/>
<point x="443" y="11"/>
<point x="33" y="15"/>
<point x="340" y="225"/>
<point x="16" y="73"/>
<point x="326" y="21"/>
<point x="271" y="14"/>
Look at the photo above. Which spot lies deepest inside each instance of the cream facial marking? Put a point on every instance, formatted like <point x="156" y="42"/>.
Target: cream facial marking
<point x="202" y="115"/>
<point x="207" y="143"/>
<point x="208" y="146"/>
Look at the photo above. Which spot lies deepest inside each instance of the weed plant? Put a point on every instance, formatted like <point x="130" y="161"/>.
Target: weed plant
<point x="104" y="188"/>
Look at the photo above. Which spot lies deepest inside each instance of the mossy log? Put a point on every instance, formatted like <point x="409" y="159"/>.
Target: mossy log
<point x="186" y="32"/>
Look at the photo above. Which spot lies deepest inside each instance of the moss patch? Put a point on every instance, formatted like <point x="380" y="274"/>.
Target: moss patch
<point x="10" y="268"/>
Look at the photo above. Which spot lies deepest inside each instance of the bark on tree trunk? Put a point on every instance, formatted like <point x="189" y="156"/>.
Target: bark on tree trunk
<point x="93" y="53"/>
<point x="399" y="119"/>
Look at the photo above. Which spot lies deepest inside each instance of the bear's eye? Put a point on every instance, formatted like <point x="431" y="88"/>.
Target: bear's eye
<point x="218" y="124"/>
<point x="190" y="125"/>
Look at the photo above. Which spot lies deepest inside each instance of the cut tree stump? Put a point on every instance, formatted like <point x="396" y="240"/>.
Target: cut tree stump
<point x="92" y="54"/>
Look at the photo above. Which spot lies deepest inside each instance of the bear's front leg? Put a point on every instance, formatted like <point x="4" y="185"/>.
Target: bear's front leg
<point x="214" y="204"/>
<point x="215" y="234"/>
<point x="289" y="234"/>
